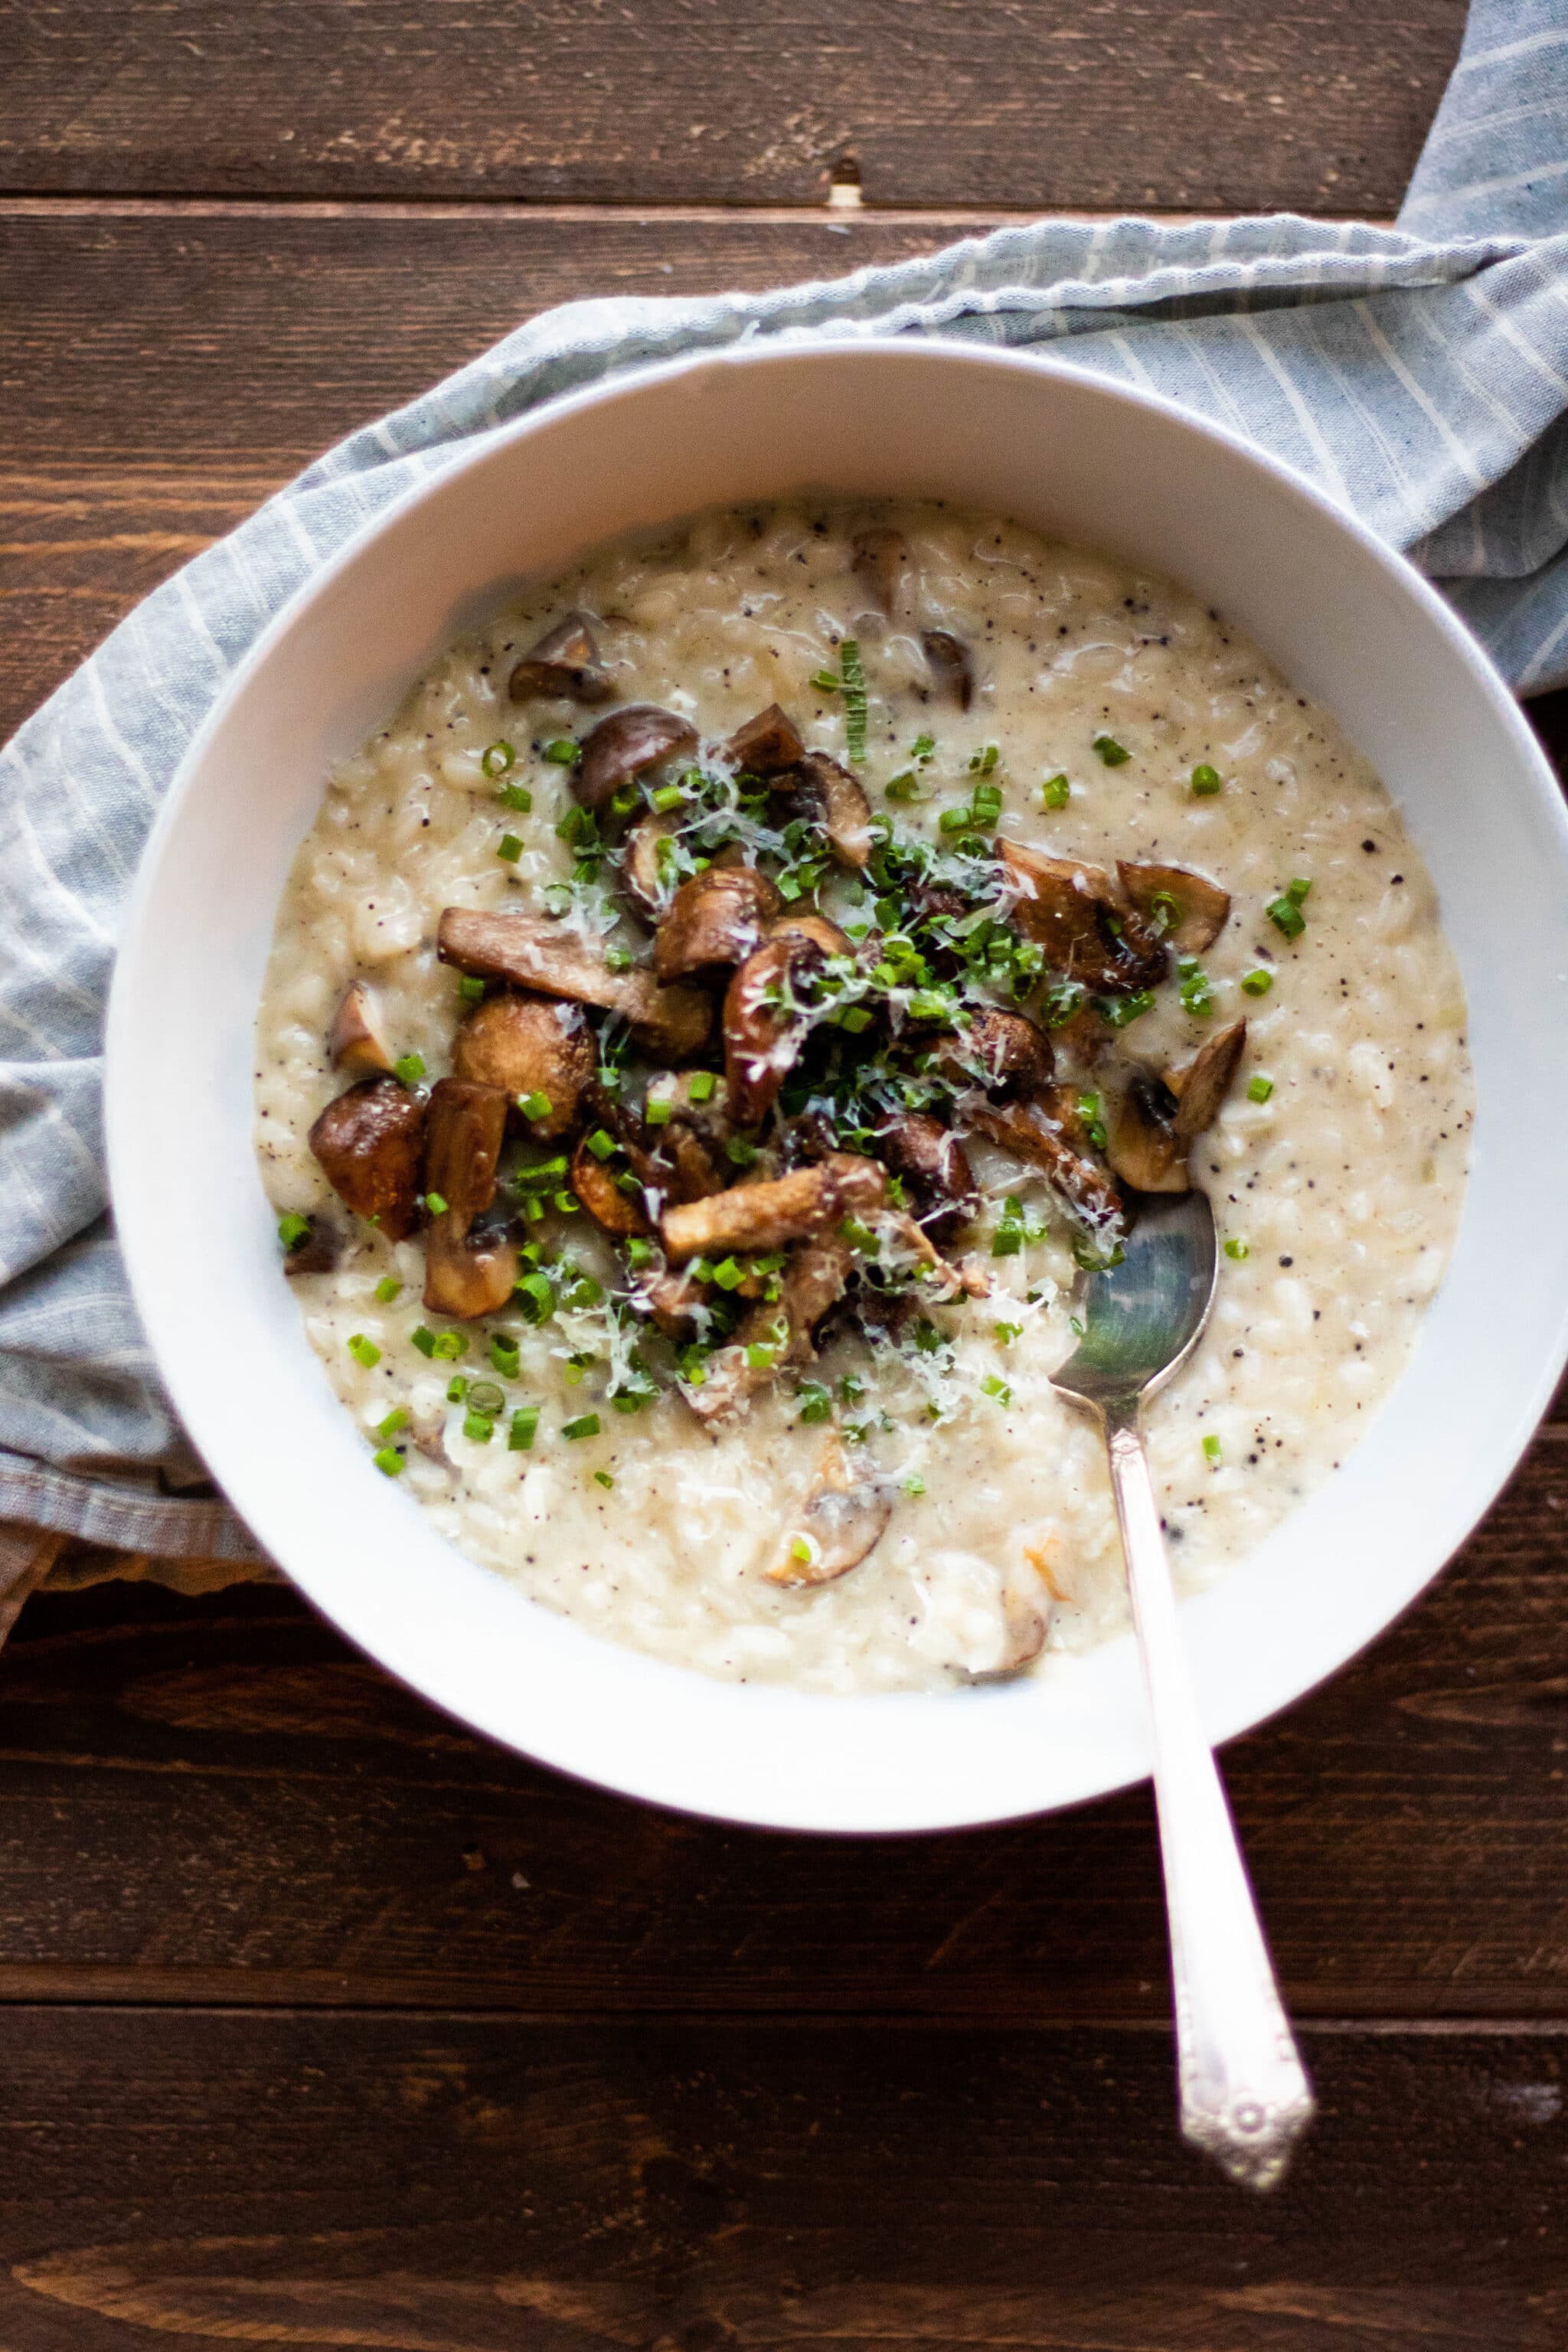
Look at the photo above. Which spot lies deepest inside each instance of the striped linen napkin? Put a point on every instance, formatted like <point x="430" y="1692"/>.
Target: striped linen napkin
<point x="1418" y="374"/>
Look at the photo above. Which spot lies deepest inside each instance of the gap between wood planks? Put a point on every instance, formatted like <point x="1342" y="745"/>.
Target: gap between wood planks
<point x="843" y="216"/>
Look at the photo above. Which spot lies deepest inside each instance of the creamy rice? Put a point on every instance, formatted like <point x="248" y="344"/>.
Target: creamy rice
<point x="1339" y="1193"/>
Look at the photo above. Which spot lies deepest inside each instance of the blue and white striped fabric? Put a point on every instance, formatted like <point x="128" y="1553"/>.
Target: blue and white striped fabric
<point x="1419" y="374"/>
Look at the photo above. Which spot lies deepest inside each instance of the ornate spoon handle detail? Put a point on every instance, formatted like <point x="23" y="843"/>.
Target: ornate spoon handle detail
<point x="1245" y="2094"/>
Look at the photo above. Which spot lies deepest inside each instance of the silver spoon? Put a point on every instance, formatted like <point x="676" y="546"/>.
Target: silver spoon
<point x="1245" y="2094"/>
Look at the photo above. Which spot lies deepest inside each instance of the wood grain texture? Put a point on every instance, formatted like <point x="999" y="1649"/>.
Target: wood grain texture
<point x="448" y="2185"/>
<point x="217" y="1801"/>
<point x="1312" y="105"/>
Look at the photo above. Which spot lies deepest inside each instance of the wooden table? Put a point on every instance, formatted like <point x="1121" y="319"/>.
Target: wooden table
<point x="325" y="2024"/>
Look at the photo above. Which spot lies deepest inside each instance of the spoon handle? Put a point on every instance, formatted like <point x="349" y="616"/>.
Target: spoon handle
<point x="1245" y="2094"/>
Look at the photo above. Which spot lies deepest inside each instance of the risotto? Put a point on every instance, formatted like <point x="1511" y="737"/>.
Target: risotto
<point x="710" y="1028"/>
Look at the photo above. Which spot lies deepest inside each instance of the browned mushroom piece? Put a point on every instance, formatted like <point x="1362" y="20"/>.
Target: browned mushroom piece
<point x="766" y="745"/>
<point x="1026" y="1620"/>
<point x="1188" y="908"/>
<point x="565" y="661"/>
<point x="624" y="746"/>
<point x="776" y="1210"/>
<point x="716" y="917"/>
<point x="354" y="1041"/>
<point x="530" y="1047"/>
<point x="818" y="929"/>
<point x="532" y="951"/>
<point x="463" y="1135"/>
<point x="997" y="1050"/>
<point x="1203" y="1085"/>
<point x="317" y="1251"/>
<point x="616" y="1208"/>
<point x="952" y="670"/>
<point x="368" y="1143"/>
<point x="468" y="1275"/>
<point x="881" y="558"/>
<point x="840" y="804"/>
<point x="777" y="1332"/>
<point x="1143" y="1148"/>
<point x="1083" y="918"/>
<point x="1030" y="1135"/>
<point x="465" y="1274"/>
<point x="841" y="1521"/>
<point x="674" y="1302"/>
<point x="766" y="1024"/>
<point x="933" y="1166"/>
<point x="645" y="874"/>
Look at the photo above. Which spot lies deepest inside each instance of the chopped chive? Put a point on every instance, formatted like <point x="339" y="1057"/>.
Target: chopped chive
<point x="456" y="1388"/>
<point x="826" y="682"/>
<point x="392" y="1422"/>
<point x="1236" y="1250"/>
<point x="1256" y="983"/>
<point x="658" y="1110"/>
<point x="515" y="797"/>
<point x="498" y="758"/>
<point x="993" y="1386"/>
<point x="603" y="1478"/>
<point x="387" y="1288"/>
<point x="389" y="1461"/>
<point x="816" y="1403"/>
<point x="537" y="1295"/>
<point x="1211" y="1449"/>
<point x="410" y="1068"/>
<point x="1259" y="1090"/>
<point x="535" y="1106"/>
<point x="850" y="664"/>
<point x="1056" y="793"/>
<point x="1286" y="915"/>
<point x="1298" y="891"/>
<point x="480" y="1426"/>
<point x="914" y="1485"/>
<point x="668" y="797"/>
<point x="954" y="820"/>
<point x="585" y="1425"/>
<point x="437" y="1203"/>
<point x="703" y="1083"/>
<point x="485" y="1397"/>
<point x="759" y="1356"/>
<point x="802" y="1549"/>
<point x="1195" y="989"/>
<point x="503" y="1355"/>
<point x="565" y="751"/>
<point x="601" y="1144"/>
<point x="293" y="1229"/>
<point x="424" y="1339"/>
<point x="903" y="787"/>
<point x="639" y="1254"/>
<point x="1205" y="782"/>
<point x="1113" y="753"/>
<point x="566" y="1204"/>
<point x="524" y="1422"/>
<point x="470" y="988"/>
<point x="739" y="1152"/>
<point x="981" y="762"/>
<point x="365" y="1351"/>
<point x="1076" y="1326"/>
<point x="509" y="849"/>
<point x="450" y="1346"/>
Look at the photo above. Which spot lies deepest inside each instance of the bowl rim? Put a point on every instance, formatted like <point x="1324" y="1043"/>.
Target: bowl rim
<point x="1224" y="1716"/>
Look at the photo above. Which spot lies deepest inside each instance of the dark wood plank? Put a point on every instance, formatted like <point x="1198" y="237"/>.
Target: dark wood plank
<point x="1319" y="105"/>
<point x="217" y="1802"/>
<point x="450" y="2185"/>
<point x="162" y="371"/>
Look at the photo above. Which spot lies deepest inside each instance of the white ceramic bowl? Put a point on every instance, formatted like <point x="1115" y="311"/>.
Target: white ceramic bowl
<point x="1112" y="469"/>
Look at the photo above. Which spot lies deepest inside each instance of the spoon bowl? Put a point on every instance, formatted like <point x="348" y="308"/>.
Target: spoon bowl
<point x="1142" y="1316"/>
